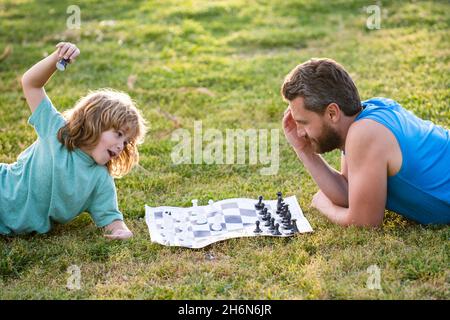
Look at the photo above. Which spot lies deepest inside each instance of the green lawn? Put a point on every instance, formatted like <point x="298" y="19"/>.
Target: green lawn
<point x="223" y="62"/>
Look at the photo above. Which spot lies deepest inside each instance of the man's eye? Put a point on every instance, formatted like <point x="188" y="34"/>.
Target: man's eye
<point x="119" y="133"/>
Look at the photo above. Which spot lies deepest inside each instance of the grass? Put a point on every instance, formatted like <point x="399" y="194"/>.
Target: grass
<point x="223" y="62"/>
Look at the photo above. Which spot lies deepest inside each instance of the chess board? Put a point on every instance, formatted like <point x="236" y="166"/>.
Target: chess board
<point x="225" y="219"/>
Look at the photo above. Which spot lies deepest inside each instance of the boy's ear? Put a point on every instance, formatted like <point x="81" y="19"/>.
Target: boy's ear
<point x="333" y="112"/>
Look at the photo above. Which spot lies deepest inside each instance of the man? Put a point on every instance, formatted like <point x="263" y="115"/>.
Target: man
<point x="390" y="158"/>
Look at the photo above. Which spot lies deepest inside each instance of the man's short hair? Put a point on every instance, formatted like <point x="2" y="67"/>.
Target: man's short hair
<point x="321" y="82"/>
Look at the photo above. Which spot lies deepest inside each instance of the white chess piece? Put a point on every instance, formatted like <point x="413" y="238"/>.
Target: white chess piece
<point x="217" y="225"/>
<point x="193" y="212"/>
<point x="211" y="207"/>
<point x="201" y="217"/>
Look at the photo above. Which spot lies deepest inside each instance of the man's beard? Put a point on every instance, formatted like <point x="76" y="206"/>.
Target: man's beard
<point x="328" y="140"/>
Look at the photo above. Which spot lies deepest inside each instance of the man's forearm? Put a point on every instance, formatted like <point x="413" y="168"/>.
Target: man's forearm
<point x="38" y="75"/>
<point x="330" y="181"/>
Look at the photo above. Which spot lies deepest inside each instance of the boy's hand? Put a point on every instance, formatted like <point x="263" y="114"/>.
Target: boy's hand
<point x="68" y="51"/>
<point x="117" y="230"/>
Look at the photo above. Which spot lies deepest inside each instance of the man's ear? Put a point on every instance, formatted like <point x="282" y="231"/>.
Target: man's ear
<point x="333" y="112"/>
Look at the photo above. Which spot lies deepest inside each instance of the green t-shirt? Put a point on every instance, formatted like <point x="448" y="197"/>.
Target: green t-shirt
<point x="50" y="183"/>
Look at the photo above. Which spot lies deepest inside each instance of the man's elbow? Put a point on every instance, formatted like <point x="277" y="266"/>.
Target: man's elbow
<point x="372" y="221"/>
<point x="339" y="201"/>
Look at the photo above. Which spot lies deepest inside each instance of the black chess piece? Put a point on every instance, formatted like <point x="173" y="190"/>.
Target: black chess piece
<point x="261" y="211"/>
<point x="282" y="211"/>
<point x="258" y="229"/>
<point x="266" y="215"/>
<point x="279" y="195"/>
<point x="288" y="232"/>
<point x="287" y="218"/>
<point x="280" y="204"/>
<point x="272" y="224"/>
<point x="61" y="65"/>
<point x="280" y="198"/>
<point x="294" y="226"/>
<point x="259" y="205"/>
<point x="287" y="225"/>
<point x="276" y="231"/>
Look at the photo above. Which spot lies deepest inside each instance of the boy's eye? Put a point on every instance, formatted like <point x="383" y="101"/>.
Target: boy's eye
<point x="119" y="134"/>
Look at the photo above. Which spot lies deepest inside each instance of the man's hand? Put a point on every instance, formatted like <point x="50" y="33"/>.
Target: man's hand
<point x="117" y="230"/>
<point x="300" y="144"/>
<point x="321" y="202"/>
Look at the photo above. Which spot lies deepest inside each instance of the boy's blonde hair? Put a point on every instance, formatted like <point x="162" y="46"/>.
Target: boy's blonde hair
<point x="99" y="111"/>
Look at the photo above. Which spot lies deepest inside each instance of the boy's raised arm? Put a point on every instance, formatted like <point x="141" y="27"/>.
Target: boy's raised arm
<point x="34" y="80"/>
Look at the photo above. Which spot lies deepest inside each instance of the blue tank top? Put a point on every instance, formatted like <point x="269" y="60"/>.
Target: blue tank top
<point x="420" y="191"/>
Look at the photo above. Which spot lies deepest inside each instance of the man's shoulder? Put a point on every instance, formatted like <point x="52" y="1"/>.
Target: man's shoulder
<point x="380" y="101"/>
<point x="367" y="135"/>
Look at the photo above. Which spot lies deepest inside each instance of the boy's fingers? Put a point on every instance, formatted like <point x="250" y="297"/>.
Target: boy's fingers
<point x="121" y="235"/>
<point x="60" y="47"/>
<point x="62" y="50"/>
<point x="70" y="51"/>
<point x="75" y="54"/>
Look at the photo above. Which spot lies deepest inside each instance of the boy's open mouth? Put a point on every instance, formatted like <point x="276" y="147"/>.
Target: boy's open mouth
<point x="112" y="154"/>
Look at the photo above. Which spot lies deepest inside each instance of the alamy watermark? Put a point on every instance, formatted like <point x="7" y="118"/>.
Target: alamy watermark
<point x="74" y="280"/>
<point x="374" y="20"/>
<point x="374" y="280"/>
<point x="74" y="19"/>
<point x="211" y="146"/>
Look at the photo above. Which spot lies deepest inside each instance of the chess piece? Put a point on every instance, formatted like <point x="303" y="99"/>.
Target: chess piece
<point x="294" y="226"/>
<point x="276" y="231"/>
<point x="279" y="200"/>
<point x="201" y="217"/>
<point x="287" y="218"/>
<point x="272" y="224"/>
<point x="217" y="225"/>
<point x="284" y="211"/>
<point x="267" y="215"/>
<point x="211" y="208"/>
<point x="61" y="65"/>
<point x="258" y="229"/>
<point x="259" y="205"/>
<point x="263" y="213"/>
<point x="267" y="224"/>
<point x="194" y="212"/>
<point x="287" y="225"/>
